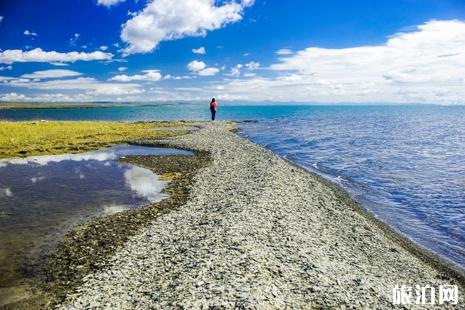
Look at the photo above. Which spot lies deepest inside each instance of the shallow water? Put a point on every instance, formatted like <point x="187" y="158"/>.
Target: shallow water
<point x="44" y="196"/>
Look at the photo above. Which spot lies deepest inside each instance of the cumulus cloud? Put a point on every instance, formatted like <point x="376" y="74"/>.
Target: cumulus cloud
<point x="208" y="72"/>
<point x="90" y="86"/>
<point x="49" y="74"/>
<point x="8" y="97"/>
<point x="149" y="75"/>
<point x="201" y="50"/>
<point x="103" y="48"/>
<point x="235" y="71"/>
<point x="59" y="64"/>
<point x="252" y="65"/>
<point x="177" y="77"/>
<point x="30" y="33"/>
<point x="121" y="69"/>
<point x="3" y="68"/>
<point x="200" y="68"/>
<point x="431" y="57"/>
<point x="196" y="66"/>
<point x="284" y="52"/>
<point x="39" y="55"/>
<point x="109" y="3"/>
<point x="164" y="20"/>
<point x="426" y="65"/>
<point x="45" y="97"/>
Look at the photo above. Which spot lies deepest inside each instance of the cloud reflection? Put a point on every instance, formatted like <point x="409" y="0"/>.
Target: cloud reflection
<point x="44" y="160"/>
<point x="145" y="183"/>
<point x="6" y="192"/>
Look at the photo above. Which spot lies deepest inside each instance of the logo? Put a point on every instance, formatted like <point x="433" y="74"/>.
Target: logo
<point x="425" y="295"/>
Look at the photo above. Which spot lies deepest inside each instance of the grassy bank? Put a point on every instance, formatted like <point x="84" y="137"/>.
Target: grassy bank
<point x="22" y="139"/>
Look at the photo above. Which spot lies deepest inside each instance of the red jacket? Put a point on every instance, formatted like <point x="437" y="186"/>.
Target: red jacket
<point x="213" y="105"/>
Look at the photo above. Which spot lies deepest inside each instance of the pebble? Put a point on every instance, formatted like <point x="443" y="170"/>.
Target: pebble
<point x="257" y="232"/>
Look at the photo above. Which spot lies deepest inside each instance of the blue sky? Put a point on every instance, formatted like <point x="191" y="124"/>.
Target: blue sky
<point x="409" y="51"/>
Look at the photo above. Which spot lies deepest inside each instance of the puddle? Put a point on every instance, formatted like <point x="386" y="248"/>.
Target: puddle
<point x="42" y="197"/>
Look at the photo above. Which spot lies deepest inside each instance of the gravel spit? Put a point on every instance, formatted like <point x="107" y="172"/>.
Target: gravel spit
<point x="257" y="232"/>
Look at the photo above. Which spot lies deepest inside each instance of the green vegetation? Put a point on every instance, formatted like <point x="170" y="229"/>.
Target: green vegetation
<point x="22" y="139"/>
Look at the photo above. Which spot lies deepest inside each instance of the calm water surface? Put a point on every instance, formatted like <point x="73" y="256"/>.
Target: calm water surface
<point x="44" y="196"/>
<point x="403" y="163"/>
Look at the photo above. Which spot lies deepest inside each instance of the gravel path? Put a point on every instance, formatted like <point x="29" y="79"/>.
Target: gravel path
<point x="256" y="233"/>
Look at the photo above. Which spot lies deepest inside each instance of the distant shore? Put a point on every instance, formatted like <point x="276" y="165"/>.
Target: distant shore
<point x="258" y="231"/>
<point x="43" y="106"/>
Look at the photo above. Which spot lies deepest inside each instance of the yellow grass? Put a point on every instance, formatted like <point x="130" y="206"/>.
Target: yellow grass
<point x="21" y="139"/>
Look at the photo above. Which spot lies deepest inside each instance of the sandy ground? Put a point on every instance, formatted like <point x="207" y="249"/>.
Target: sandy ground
<point x="257" y="232"/>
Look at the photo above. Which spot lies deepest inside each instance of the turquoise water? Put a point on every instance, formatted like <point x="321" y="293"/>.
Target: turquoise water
<point x="405" y="164"/>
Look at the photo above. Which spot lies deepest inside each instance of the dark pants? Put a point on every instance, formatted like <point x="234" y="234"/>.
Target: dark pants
<point x="213" y="114"/>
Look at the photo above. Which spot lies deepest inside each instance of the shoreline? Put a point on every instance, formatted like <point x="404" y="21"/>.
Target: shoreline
<point x="421" y="252"/>
<point x="87" y="247"/>
<point x="437" y="268"/>
<point x="66" y="282"/>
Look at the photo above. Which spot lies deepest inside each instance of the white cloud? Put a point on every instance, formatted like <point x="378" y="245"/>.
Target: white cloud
<point x="90" y="86"/>
<point x="3" y="68"/>
<point x="252" y="65"/>
<point x="121" y="69"/>
<point x="208" y="72"/>
<point x="1" y="18"/>
<point x="12" y="97"/>
<point x="109" y="3"/>
<point x="149" y="75"/>
<point x="74" y="40"/>
<point x="196" y="66"/>
<point x="54" y="97"/>
<point x="176" y="77"/>
<point x="200" y="68"/>
<point x="426" y="65"/>
<point x="163" y="20"/>
<point x="431" y="57"/>
<point x="103" y="48"/>
<point x="201" y="50"/>
<point x="50" y="74"/>
<point x="59" y="64"/>
<point x="235" y="71"/>
<point x="39" y="55"/>
<point x="30" y="33"/>
<point x="284" y="52"/>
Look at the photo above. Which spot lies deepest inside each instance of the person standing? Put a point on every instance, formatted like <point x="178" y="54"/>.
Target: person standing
<point x="213" y="108"/>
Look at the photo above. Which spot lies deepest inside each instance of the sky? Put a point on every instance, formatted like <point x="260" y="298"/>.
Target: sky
<point x="318" y="51"/>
